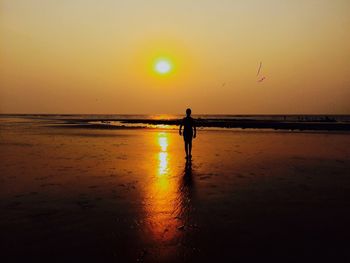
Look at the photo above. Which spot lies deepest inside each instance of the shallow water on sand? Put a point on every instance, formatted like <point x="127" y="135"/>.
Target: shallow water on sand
<point x="130" y="195"/>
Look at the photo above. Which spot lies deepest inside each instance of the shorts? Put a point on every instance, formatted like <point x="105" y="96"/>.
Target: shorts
<point x="188" y="136"/>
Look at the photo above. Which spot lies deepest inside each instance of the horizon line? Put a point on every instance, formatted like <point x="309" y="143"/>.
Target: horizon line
<point x="232" y="114"/>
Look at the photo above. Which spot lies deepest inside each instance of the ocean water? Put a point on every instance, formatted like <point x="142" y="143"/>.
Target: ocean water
<point x="101" y="117"/>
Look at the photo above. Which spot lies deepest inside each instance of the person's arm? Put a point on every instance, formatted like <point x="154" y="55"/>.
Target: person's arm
<point x="180" y="128"/>
<point x="194" y="128"/>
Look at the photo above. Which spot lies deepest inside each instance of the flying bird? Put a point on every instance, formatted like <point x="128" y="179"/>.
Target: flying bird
<point x="262" y="79"/>
<point x="260" y="65"/>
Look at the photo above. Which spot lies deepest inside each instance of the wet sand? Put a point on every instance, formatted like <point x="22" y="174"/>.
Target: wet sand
<point x="129" y="196"/>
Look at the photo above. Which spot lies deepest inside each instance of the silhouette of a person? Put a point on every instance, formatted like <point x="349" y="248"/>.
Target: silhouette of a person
<point x="189" y="132"/>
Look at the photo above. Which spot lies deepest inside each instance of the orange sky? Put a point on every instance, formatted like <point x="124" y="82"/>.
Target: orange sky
<point x="85" y="56"/>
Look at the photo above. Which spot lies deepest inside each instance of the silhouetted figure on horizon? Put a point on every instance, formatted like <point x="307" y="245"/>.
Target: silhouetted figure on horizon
<point x="188" y="133"/>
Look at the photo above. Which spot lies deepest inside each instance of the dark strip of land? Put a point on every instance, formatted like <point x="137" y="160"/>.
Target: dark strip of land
<point x="218" y="123"/>
<point x="254" y="124"/>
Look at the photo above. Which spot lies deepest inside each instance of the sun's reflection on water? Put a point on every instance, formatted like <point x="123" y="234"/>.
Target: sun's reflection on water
<point x="163" y="163"/>
<point x="162" y="194"/>
<point x="163" y="141"/>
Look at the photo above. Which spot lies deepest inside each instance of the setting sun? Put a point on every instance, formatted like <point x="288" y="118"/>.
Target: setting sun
<point x="163" y="66"/>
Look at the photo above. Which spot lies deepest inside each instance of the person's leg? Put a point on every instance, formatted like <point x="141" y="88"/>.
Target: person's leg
<point x="186" y="148"/>
<point x="190" y="148"/>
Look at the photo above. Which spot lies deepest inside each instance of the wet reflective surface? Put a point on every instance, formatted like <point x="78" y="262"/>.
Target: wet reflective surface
<point x="130" y="196"/>
<point x="162" y="195"/>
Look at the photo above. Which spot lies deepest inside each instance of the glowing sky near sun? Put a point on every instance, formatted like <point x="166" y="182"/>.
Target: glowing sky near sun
<point x="158" y="56"/>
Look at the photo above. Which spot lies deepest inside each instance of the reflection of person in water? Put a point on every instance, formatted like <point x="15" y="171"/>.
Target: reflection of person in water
<point x="186" y="190"/>
<point x="188" y="169"/>
<point x="188" y="133"/>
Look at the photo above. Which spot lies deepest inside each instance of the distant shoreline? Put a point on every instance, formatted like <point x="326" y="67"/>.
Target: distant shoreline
<point x="212" y="123"/>
<point x="273" y="122"/>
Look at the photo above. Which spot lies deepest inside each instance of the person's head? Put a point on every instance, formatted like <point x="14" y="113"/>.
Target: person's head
<point x="188" y="112"/>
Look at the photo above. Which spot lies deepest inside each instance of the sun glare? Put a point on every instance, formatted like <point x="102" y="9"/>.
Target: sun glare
<point x="160" y="63"/>
<point x="162" y="66"/>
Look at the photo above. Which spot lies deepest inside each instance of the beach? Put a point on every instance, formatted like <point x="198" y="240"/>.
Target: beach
<point x="128" y="195"/>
